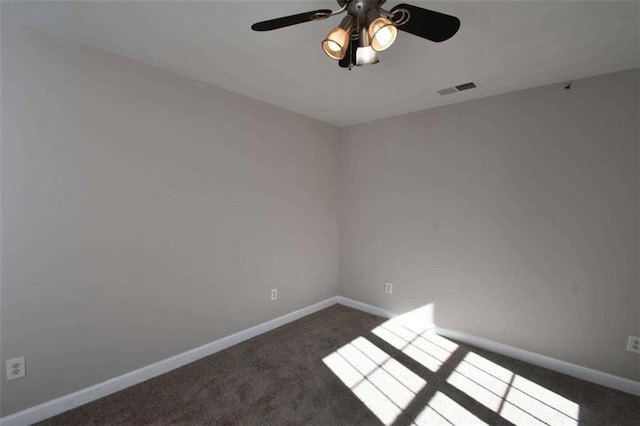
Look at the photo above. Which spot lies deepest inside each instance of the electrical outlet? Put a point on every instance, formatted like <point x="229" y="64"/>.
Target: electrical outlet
<point x="274" y="294"/>
<point x="388" y="288"/>
<point x="16" y="368"/>
<point x="633" y="344"/>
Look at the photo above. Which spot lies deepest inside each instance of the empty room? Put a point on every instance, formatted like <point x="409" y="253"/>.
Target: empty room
<point x="339" y="212"/>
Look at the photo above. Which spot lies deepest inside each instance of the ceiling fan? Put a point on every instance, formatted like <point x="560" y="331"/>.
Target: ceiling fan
<point x="368" y="28"/>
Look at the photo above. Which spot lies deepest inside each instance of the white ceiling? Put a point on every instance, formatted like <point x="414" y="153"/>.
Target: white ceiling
<point x="502" y="46"/>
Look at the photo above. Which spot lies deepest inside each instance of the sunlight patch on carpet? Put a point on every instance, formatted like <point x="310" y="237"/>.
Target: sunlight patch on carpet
<point x="383" y="384"/>
<point x="414" y="334"/>
<point x="515" y="398"/>
<point x="442" y="410"/>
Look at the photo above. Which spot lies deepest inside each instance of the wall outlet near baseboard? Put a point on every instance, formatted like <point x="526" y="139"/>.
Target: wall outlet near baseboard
<point x="16" y="368"/>
<point x="633" y="344"/>
<point x="274" y="294"/>
<point x="388" y="288"/>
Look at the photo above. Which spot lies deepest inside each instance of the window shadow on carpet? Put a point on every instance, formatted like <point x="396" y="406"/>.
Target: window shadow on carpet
<point x="406" y="374"/>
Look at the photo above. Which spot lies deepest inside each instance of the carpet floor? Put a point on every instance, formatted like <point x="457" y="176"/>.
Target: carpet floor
<point x="341" y="366"/>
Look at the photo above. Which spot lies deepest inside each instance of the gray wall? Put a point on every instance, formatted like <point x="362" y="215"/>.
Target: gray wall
<point x="143" y="215"/>
<point x="515" y="215"/>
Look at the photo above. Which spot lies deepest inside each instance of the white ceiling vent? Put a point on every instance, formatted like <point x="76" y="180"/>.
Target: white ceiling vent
<point x="457" y="88"/>
<point x="447" y="91"/>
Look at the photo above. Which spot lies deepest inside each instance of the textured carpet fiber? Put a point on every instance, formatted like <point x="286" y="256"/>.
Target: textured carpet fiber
<point x="341" y="366"/>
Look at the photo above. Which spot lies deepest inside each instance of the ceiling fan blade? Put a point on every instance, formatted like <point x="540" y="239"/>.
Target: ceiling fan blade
<point x="428" y="24"/>
<point x="286" y="21"/>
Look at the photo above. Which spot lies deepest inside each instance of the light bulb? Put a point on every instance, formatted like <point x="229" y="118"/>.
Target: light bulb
<point x="382" y="33"/>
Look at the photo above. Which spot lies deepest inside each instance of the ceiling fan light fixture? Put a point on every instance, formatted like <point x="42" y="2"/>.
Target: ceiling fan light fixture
<point x="368" y="28"/>
<point x="382" y="33"/>
<point x="365" y="55"/>
<point x="336" y="43"/>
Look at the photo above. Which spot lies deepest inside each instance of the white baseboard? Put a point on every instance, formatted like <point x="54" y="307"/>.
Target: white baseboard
<point x="578" y="371"/>
<point x="60" y="405"/>
<point x="365" y="307"/>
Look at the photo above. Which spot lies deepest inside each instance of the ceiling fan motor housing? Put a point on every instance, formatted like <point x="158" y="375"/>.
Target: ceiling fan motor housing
<point x="359" y="8"/>
<point x="378" y="2"/>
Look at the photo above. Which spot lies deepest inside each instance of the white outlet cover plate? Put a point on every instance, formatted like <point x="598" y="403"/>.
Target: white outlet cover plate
<point x="274" y="294"/>
<point x="388" y="288"/>
<point x="13" y="365"/>
<point x="633" y="344"/>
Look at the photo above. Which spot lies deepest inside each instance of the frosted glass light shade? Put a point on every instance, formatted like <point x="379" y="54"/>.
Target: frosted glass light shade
<point x="382" y="33"/>
<point x="335" y="45"/>
<point x="365" y="55"/>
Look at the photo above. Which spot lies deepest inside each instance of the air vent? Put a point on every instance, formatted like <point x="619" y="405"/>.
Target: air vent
<point x="466" y="86"/>
<point x="447" y="91"/>
<point x="456" y="89"/>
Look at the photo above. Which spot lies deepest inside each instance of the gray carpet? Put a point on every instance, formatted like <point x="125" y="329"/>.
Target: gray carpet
<point x="279" y="378"/>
